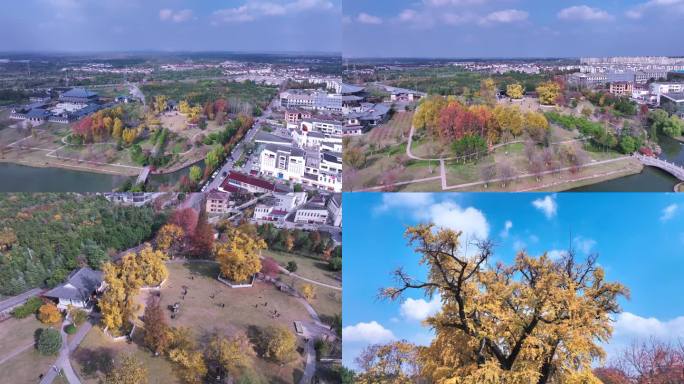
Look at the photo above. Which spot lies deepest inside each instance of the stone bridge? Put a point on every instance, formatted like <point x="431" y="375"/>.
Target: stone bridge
<point x="671" y="168"/>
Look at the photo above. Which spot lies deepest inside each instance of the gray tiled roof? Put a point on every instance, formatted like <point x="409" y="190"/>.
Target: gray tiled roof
<point x="80" y="285"/>
<point x="79" y="92"/>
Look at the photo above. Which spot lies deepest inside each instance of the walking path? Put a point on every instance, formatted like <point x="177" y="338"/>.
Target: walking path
<point x="63" y="364"/>
<point x="15" y="353"/>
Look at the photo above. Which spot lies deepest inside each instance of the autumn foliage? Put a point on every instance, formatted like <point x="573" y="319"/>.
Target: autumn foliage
<point x="539" y="320"/>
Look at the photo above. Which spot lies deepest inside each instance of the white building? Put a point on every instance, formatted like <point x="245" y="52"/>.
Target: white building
<point x="276" y="207"/>
<point x="313" y="212"/>
<point x="79" y="290"/>
<point x="282" y="162"/>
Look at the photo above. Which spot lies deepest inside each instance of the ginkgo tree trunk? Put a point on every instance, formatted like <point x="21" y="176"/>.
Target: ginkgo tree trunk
<point x="539" y="320"/>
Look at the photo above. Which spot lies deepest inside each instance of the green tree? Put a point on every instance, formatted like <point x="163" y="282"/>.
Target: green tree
<point x="195" y="174"/>
<point x="49" y="341"/>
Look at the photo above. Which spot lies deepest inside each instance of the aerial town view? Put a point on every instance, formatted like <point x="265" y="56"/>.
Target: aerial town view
<point x="135" y="123"/>
<point x="478" y="115"/>
<point x="239" y="287"/>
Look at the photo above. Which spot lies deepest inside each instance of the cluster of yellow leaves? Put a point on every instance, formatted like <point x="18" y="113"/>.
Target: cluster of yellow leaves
<point x="238" y="258"/>
<point x="185" y="353"/>
<point x="511" y="324"/>
<point x="128" y="371"/>
<point x="308" y="291"/>
<point x="515" y="91"/>
<point x="7" y="238"/>
<point x="129" y="135"/>
<point x="123" y="282"/>
<point x="548" y="92"/>
<point x="388" y="363"/>
<point x="228" y="354"/>
<point x="49" y="314"/>
<point x="168" y="235"/>
<point x="279" y="343"/>
<point x="160" y="104"/>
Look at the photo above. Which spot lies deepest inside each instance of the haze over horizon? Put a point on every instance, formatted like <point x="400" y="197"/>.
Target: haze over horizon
<point x="511" y="28"/>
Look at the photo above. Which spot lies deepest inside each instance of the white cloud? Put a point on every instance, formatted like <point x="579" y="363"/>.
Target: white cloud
<point x="583" y="244"/>
<point x="505" y="16"/>
<point x="404" y="201"/>
<point x="669" y="212"/>
<point x="420" y="309"/>
<point x="365" y="18"/>
<point x="372" y="333"/>
<point x="669" y="6"/>
<point x="447" y="214"/>
<point x="471" y="221"/>
<point x="255" y="9"/>
<point x="452" y="3"/>
<point x="507" y="227"/>
<point x="584" y="13"/>
<point x="633" y="326"/>
<point x="556" y="254"/>
<point x="175" y="16"/>
<point x="408" y="15"/>
<point x="547" y="205"/>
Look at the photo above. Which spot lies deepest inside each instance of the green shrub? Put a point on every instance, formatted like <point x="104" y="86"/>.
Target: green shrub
<point x="49" y="341"/>
<point x="29" y="308"/>
<point x="70" y="329"/>
<point x="335" y="264"/>
<point x="291" y="266"/>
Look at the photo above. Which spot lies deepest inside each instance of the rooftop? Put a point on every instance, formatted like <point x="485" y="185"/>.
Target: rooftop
<point x="79" y="92"/>
<point x="79" y="286"/>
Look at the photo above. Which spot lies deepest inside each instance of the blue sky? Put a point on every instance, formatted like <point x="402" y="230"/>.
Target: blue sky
<point x="639" y="237"/>
<point x="199" y="25"/>
<point x="511" y="28"/>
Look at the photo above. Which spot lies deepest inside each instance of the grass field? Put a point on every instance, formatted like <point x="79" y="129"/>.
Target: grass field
<point x="308" y="267"/>
<point x="22" y="362"/>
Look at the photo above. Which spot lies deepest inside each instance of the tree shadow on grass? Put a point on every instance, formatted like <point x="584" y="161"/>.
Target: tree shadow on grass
<point x="205" y="269"/>
<point x="94" y="361"/>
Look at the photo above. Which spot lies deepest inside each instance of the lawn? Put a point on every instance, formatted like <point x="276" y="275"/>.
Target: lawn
<point x="27" y="367"/>
<point x="308" y="267"/>
<point x="233" y="312"/>
<point x="16" y="334"/>
<point x="22" y="362"/>
<point x="96" y="351"/>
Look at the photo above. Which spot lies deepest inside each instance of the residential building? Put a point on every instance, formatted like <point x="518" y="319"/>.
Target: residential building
<point x="296" y="115"/>
<point x="334" y="206"/>
<point x="621" y="88"/>
<point x="673" y="103"/>
<point x="219" y="202"/>
<point x="313" y="212"/>
<point x="79" y="291"/>
<point x="236" y="182"/>
<point x="282" y="162"/>
<point x="277" y="206"/>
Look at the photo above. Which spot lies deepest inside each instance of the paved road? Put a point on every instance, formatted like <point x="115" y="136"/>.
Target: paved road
<point x="63" y="364"/>
<point x="17" y="300"/>
<point x="229" y="163"/>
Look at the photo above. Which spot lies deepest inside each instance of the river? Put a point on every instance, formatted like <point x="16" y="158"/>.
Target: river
<point x="21" y="178"/>
<point x="650" y="179"/>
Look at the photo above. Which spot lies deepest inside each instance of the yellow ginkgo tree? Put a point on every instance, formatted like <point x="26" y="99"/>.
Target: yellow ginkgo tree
<point x="539" y="320"/>
<point x="238" y="257"/>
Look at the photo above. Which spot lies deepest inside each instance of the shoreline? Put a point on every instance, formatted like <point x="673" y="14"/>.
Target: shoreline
<point x="91" y="169"/>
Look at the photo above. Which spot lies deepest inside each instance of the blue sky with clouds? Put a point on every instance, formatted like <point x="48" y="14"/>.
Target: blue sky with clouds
<point x="511" y="28"/>
<point x="639" y="237"/>
<point x="199" y="25"/>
